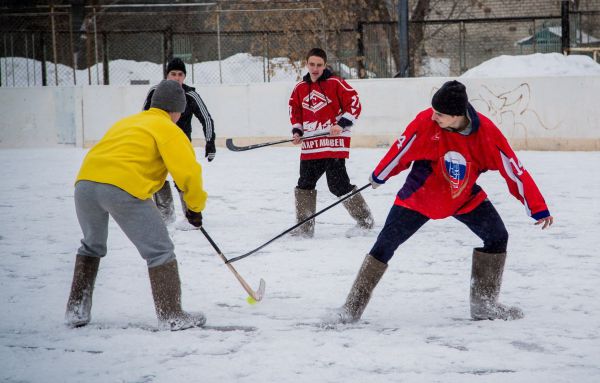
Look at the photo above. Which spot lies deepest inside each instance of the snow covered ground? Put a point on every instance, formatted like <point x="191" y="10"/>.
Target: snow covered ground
<point x="416" y="328"/>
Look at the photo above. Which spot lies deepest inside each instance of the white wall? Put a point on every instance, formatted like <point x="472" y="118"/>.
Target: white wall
<point x="551" y="113"/>
<point x="37" y="117"/>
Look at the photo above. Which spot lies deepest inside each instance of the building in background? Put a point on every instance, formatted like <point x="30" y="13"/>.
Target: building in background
<point x="89" y="42"/>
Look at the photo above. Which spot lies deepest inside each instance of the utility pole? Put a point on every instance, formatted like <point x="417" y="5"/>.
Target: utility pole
<point x="404" y="69"/>
<point x="565" y="27"/>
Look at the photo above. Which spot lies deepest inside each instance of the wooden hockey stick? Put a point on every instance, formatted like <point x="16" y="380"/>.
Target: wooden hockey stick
<point x="256" y="295"/>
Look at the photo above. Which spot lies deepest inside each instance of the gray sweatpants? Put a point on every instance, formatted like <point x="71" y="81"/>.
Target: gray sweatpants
<point x="139" y="219"/>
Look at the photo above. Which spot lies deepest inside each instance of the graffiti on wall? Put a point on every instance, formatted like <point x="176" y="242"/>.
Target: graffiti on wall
<point x="510" y="110"/>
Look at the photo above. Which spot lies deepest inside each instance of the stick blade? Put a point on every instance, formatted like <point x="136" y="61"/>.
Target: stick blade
<point x="231" y="146"/>
<point x="260" y="293"/>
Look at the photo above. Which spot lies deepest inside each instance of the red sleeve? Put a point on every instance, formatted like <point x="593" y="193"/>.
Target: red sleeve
<point x="519" y="181"/>
<point x="349" y="101"/>
<point x="295" y="108"/>
<point x="400" y="155"/>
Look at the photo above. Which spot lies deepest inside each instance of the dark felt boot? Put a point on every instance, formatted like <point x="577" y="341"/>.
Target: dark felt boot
<point x="359" y="210"/>
<point x="306" y="205"/>
<point x="367" y="278"/>
<point x="164" y="202"/>
<point x="166" y="291"/>
<point x="486" y="280"/>
<point x="79" y="305"/>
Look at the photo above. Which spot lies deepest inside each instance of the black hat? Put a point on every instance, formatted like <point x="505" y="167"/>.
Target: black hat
<point x="451" y="99"/>
<point x="176" y="64"/>
<point x="169" y="96"/>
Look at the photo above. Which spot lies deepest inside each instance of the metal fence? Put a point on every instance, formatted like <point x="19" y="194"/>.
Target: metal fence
<point x="451" y="47"/>
<point x="131" y="46"/>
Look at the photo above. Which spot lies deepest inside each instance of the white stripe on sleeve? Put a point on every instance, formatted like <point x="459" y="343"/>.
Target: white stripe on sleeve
<point x="207" y="119"/>
<point x="396" y="160"/>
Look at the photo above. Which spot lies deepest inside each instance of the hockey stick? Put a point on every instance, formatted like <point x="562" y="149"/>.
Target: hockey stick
<point x="298" y="224"/>
<point x="256" y="295"/>
<point x="231" y="146"/>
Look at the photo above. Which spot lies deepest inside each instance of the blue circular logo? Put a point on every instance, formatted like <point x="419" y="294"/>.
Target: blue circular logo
<point x="456" y="166"/>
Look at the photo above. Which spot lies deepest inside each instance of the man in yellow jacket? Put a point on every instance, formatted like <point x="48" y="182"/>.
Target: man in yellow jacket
<point x="118" y="177"/>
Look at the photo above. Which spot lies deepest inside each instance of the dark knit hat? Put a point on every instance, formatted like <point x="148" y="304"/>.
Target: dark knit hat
<point x="176" y="64"/>
<point x="451" y="99"/>
<point x="169" y="96"/>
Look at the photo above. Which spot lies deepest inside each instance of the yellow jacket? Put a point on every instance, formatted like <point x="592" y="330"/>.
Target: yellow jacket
<point x="138" y="151"/>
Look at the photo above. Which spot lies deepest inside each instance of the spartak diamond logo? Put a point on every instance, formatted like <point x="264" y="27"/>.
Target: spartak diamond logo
<point x="315" y="101"/>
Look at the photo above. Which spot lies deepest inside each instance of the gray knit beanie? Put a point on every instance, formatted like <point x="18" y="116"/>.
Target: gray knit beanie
<point x="168" y="96"/>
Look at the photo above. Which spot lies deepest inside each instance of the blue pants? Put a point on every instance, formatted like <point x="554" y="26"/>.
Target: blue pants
<point x="402" y="223"/>
<point x="139" y="219"/>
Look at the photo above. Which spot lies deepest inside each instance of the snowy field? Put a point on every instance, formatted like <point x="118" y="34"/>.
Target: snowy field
<point x="416" y="328"/>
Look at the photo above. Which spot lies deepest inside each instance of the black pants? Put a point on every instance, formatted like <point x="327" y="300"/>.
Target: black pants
<point x="335" y="170"/>
<point x="402" y="223"/>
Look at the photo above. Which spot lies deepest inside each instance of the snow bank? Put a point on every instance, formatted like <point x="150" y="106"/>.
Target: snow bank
<point x="535" y="65"/>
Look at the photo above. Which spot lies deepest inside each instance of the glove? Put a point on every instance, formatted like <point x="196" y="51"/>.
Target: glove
<point x="374" y="184"/>
<point x="195" y="219"/>
<point x="210" y="150"/>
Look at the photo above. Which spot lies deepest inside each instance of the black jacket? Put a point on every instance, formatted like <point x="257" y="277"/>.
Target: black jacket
<point x="194" y="106"/>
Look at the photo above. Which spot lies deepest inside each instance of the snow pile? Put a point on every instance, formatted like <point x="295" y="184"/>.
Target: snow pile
<point x="535" y="65"/>
<point x="239" y="68"/>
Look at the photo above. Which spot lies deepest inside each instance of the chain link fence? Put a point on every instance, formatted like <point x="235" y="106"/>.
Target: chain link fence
<point x="36" y="50"/>
<point x="124" y="45"/>
<point x="451" y="47"/>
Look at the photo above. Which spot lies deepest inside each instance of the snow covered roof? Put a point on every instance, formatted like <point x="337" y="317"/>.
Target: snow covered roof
<point x="552" y="34"/>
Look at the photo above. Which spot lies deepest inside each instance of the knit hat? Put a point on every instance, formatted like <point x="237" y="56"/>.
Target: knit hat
<point x="169" y="96"/>
<point x="176" y="64"/>
<point x="451" y="99"/>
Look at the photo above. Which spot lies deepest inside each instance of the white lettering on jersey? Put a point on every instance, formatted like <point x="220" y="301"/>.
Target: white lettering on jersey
<point x="326" y="142"/>
<point x="517" y="166"/>
<point x="401" y="140"/>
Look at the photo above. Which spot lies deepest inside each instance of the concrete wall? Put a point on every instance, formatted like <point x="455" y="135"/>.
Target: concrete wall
<point x="553" y="113"/>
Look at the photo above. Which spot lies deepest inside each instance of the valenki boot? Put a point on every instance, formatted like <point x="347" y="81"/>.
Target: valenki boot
<point x="79" y="305"/>
<point x="367" y="278"/>
<point x="166" y="291"/>
<point x="164" y="202"/>
<point x="486" y="280"/>
<point x="183" y="204"/>
<point x="183" y="224"/>
<point x="306" y="205"/>
<point x="359" y="210"/>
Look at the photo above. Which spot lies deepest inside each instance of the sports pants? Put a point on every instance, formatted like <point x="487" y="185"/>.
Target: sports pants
<point x="335" y="171"/>
<point x="402" y="223"/>
<point x="139" y="219"/>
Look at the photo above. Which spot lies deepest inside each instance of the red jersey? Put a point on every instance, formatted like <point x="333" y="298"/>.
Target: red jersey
<point x="446" y="165"/>
<point x="315" y="107"/>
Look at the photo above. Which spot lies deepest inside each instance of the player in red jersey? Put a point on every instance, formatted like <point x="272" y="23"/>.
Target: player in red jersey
<point x="322" y="103"/>
<point x="449" y="146"/>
